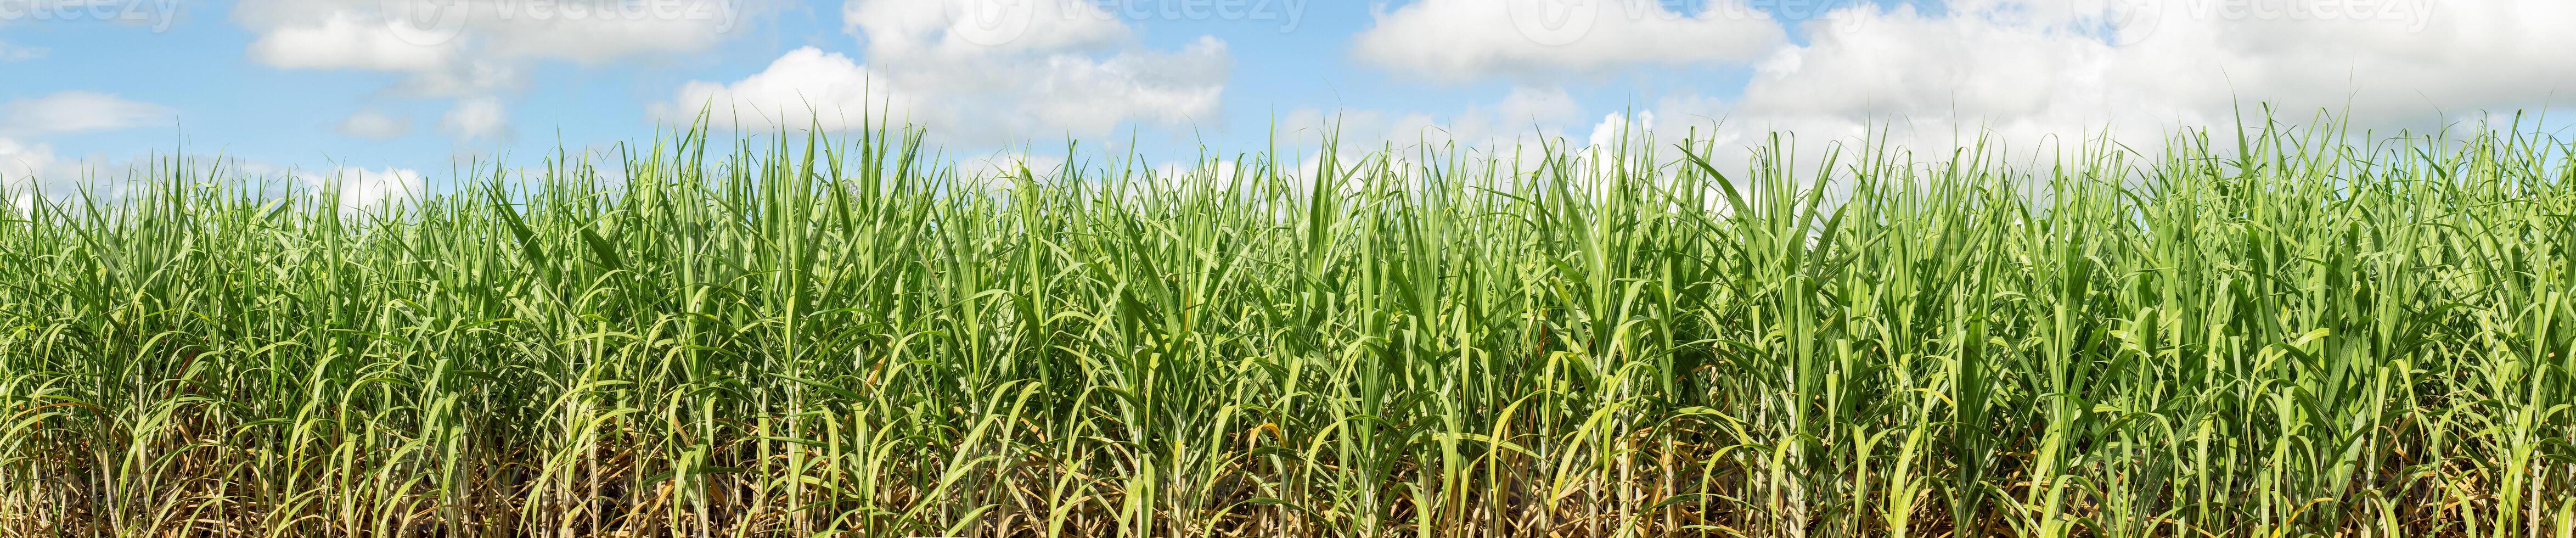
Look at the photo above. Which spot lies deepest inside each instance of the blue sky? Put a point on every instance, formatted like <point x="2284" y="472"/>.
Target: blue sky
<point x="329" y="84"/>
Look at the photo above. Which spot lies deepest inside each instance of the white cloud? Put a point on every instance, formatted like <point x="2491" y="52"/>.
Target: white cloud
<point x="1055" y="67"/>
<point x="1617" y="127"/>
<point x="361" y="188"/>
<point x="806" y="86"/>
<point x="30" y="168"/>
<point x="374" y="125"/>
<point x="348" y="40"/>
<point x="480" y="117"/>
<point x="429" y="35"/>
<point x="76" y="112"/>
<point x="935" y="29"/>
<point x="21" y="166"/>
<point x="1527" y="115"/>
<point x="645" y="28"/>
<point x="1007" y="162"/>
<point x="1459" y="40"/>
<point x="20" y="161"/>
<point x="476" y="49"/>
<point x="2044" y="77"/>
<point x="1517" y="131"/>
<point x="16" y="53"/>
<point x="1533" y="106"/>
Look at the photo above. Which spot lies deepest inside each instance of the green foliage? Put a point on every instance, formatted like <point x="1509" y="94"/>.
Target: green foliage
<point x="2294" y="333"/>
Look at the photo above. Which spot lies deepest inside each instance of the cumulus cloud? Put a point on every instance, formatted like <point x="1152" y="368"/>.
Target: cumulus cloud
<point x="1039" y="68"/>
<point x="21" y="161"/>
<point x="1519" y="130"/>
<point x="807" y="86"/>
<point x="2043" y="77"/>
<point x="426" y="35"/>
<point x="1005" y="163"/>
<point x="1459" y="40"/>
<point x="1526" y="115"/>
<point x="475" y="50"/>
<point x="374" y="125"/>
<point x="348" y="40"/>
<point x="76" y="112"/>
<point x="935" y="29"/>
<point x="32" y="169"/>
<point x="481" y="117"/>
<point x="361" y="188"/>
<point x="20" y="166"/>
<point x="1618" y="127"/>
<point x="29" y="167"/>
<point x="17" y="53"/>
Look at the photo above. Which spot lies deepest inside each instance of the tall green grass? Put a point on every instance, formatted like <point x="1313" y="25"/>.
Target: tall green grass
<point x="2276" y="331"/>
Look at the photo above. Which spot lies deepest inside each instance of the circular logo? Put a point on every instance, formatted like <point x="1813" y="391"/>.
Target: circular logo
<point x="1845" y="21"/>
<point x="2129" y="22"/>
<point x="1554" y="22"/>
<point x="990" y="22"/>
<point x="425" y="22"/>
